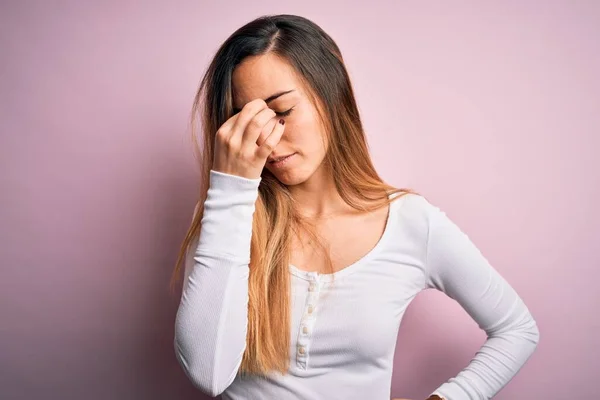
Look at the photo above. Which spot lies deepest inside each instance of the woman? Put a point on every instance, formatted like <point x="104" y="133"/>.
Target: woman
<point x="300" y="260"/>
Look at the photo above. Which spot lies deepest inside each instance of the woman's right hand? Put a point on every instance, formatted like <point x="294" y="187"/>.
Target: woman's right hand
<point x="245" y="141"/>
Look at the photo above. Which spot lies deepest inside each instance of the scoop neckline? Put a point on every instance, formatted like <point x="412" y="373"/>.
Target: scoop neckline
<point x="313" y="275"/>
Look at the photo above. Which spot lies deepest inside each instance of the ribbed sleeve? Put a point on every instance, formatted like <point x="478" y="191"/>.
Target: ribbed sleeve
<point x="456" y="267"/>
<point x="211" y="321"/>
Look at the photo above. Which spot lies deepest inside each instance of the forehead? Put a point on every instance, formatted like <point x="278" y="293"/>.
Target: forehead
<point x="261" y="77"/>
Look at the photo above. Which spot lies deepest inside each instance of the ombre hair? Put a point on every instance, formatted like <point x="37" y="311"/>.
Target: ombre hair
<point x="319" y="66"/>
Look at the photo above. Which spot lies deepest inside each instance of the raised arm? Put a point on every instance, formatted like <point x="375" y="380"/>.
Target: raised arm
<point x="212" y="318"/>
<point x="456" y="267"/>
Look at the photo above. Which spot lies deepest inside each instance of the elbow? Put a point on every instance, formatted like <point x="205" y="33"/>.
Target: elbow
<point x="523" y="330"/>
<point x="529" y="331"/>
<point x="208" y="387"/>
<point x="533" y="333"/>
<point x="211" y="386"/>
<point x="202" y="376"/>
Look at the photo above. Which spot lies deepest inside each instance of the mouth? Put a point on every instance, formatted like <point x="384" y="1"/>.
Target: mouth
<point x="279" y="159"/>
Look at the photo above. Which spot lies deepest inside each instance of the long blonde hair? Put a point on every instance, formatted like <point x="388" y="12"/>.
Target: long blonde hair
<point x="319" y="65"/>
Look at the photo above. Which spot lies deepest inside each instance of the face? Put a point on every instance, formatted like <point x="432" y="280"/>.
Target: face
<point x="266" y="75"/>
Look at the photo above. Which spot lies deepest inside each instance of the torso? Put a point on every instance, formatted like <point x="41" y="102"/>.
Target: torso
<point x="349" y="237"/>
<point x="346" y="328"/>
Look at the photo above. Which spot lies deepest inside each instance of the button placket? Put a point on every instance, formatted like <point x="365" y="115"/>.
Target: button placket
<point x="307" y="321"/>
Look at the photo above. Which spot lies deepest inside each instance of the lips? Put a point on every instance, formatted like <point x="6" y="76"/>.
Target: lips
<point x="274" y="159"/>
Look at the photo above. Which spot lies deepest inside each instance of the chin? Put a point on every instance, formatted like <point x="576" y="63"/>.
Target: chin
<point x="290" y="181"/>
<point x="291" y="176"/>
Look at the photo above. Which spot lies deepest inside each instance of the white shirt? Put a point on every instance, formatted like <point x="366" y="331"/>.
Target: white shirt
<point x="343" y="333"/>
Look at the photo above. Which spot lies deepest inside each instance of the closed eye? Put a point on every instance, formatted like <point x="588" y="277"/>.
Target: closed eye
<point x="284" y="113"/>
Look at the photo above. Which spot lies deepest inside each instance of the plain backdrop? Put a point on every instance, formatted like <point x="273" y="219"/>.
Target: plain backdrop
<point x="490" y="109"/>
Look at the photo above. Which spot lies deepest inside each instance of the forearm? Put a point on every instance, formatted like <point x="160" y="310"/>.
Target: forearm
<point x="459" y="269"/>
<point x="212" y="319"/>
<point x="211" y="322"/>
<point x="498" y="360"/>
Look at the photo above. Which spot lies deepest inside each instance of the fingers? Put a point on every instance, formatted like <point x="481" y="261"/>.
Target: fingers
<point x="228" y="125"/>
<point x="248" y="111"/>
<point x="265" y="149"/>
<point x="259" y="126"/>
<point x="244" y="117"/>
<point x="267" y="130"/>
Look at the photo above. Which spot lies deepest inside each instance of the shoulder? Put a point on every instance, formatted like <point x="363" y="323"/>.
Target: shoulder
<point x="414" y="211"/>
<point x="414" y="202"/>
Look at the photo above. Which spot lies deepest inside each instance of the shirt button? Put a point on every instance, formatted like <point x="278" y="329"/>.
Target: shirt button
<point x="301" y="350"/>
<point x="305" y="330"/>
<point x="310" y="309"/>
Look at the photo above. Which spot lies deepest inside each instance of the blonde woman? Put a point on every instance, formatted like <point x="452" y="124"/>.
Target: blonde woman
<point x="300" y="260"/>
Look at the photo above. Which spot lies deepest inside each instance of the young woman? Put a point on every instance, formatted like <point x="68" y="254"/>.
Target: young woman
<point x="300" y="260"/>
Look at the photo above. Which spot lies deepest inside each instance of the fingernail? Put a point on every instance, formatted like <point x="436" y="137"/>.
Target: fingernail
<point x="281" y="121"/>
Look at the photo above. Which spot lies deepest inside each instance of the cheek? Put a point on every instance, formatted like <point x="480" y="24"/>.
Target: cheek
<point x="303" y="138"/>
<point x="304" y="130"/>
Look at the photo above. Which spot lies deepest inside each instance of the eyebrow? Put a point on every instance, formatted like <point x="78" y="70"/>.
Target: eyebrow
<point x="269" y="99"/>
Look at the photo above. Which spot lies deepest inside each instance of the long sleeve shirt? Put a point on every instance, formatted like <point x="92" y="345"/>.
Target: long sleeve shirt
<point x="344" y="325"/>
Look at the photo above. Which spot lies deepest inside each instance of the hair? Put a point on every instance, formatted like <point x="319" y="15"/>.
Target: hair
<point x="319" y="65"/>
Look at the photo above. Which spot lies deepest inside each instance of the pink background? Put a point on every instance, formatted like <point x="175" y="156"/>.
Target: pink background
<point x="492" y="111"/>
